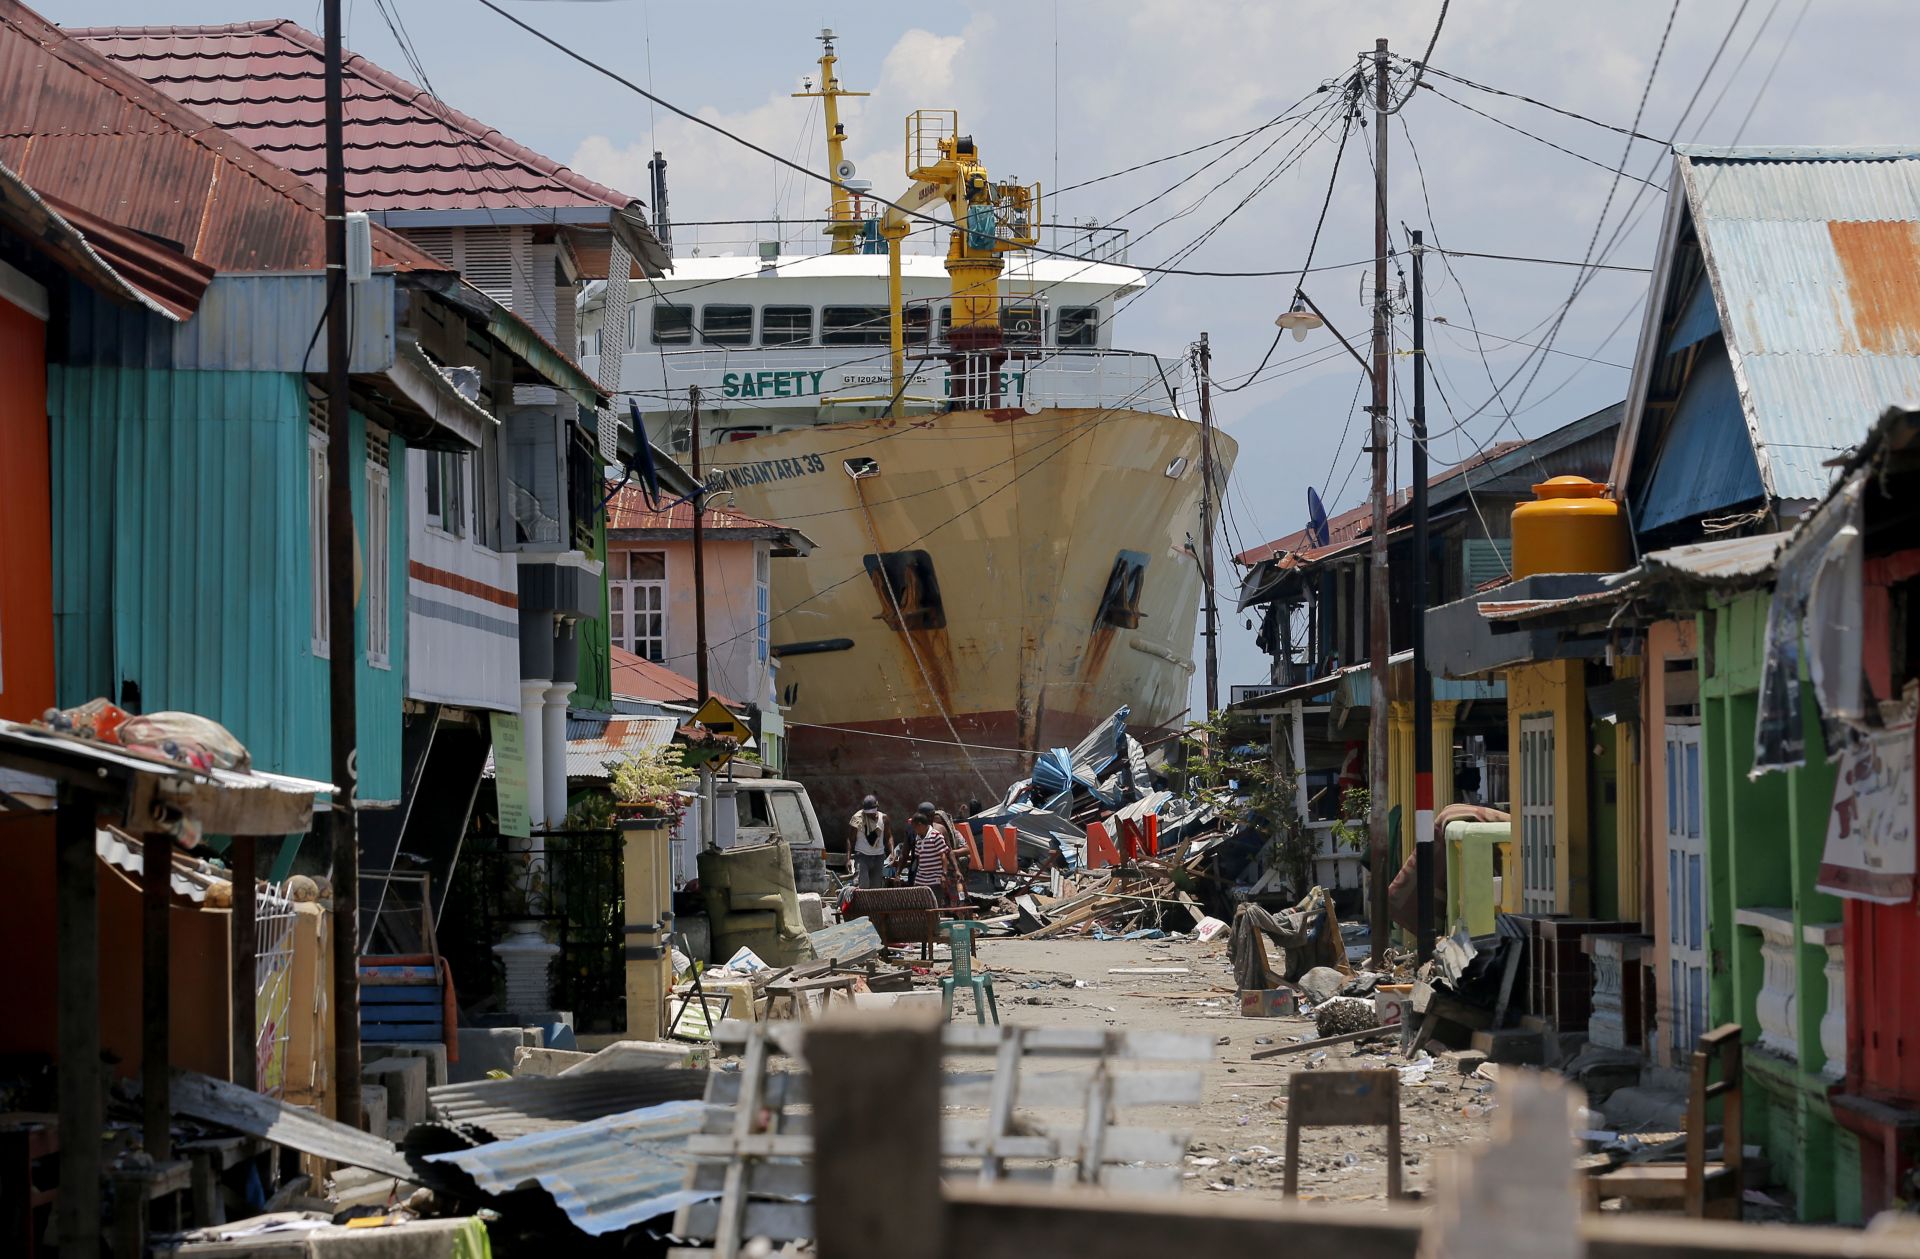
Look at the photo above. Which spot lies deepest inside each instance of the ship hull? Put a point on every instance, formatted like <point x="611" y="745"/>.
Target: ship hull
<point x="1021" y="523"/>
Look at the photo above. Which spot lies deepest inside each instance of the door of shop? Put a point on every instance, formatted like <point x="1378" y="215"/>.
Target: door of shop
<point x="1539" y="858"/>
<point x="1686" y="892"/>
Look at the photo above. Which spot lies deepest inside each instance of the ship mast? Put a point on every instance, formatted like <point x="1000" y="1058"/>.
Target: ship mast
<point x="845" y="227"/>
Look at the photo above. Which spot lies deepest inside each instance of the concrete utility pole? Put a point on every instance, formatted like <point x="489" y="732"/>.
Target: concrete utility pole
<point x="1422" y="684"/>
<point x="1203" y="357"/>
<point x="1379" y="638"/>
<point x="342" y="649"/>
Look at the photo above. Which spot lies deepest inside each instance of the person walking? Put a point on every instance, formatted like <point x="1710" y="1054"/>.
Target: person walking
<point x="934" y="863"/>
<point x="871" y="835"/>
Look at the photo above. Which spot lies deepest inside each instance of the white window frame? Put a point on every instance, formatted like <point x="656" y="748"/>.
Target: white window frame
<point x="449" y="515"/>
<point x="627" y="593"/>
<point x="318" y="557"/>
<point x="762" y="603"/>
<point x="379" y="561"/>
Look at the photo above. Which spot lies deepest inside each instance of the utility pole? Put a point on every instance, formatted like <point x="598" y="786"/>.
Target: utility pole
<point x="342" y="650"/>
<point x="1379" y="638"/>
<point x="1422" y="684"/>
<point x="1203" y="357"/>
<point x="709" y="838"/>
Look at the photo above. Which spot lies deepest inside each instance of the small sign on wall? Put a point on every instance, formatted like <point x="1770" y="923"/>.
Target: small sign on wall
<point x="1870" y="833"/>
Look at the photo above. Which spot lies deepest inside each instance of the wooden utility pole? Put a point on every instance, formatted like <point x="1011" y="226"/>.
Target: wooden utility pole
<point x="1203" y="357"/>
<point x="342" y="652"/>
<point x="1423" y="803"/>
<point x="1379" y="637"/>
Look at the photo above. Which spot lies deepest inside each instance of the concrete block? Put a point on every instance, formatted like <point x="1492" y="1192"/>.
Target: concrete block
<point x="813" y="911"/>
<point x="484" y="1049"/>
<point x="626" y="1055"/>
<point x="1510" y="1045"/>
<point x="924" y="1000"/>
<point x="432" y="1053"/>
<point x="545" y="1062"/>
<point x="405" y="1080"/>
<point x="373" y="1109"/>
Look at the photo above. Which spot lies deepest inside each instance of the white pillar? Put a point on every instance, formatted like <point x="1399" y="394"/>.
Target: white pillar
<point x="553" y="733"/>
<point x="532" y="704"/>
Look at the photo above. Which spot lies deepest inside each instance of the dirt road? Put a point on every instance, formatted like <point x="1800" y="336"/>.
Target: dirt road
<point x="1238" y="1133"/>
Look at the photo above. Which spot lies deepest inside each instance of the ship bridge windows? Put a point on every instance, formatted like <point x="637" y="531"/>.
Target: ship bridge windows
<point x="1078" y="326"/>
<point x="854" y="325"/>
<point x="1021" y="324"/>
<point x="786" y="325"/>
<point x="909" y="592"/>
<point x="672" y="325"/>
<point x="726" y="325"/>
<point x="1120" y="602"/>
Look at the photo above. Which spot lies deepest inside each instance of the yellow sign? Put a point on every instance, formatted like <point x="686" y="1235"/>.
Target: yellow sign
<point x="716" y="717"/>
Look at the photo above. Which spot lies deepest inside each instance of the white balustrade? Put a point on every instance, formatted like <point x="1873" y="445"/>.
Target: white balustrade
<point x="1775" y="1006"/>
<point x="1833" y="1023"/>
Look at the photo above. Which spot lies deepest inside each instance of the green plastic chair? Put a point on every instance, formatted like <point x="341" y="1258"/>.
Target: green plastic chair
<point x="960" y="933"/>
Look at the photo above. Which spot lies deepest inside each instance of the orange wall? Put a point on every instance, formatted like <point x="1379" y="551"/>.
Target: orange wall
<point x="26" y="519"/>
<point x="199" y="971"/>
<point x="1666" y="640"/>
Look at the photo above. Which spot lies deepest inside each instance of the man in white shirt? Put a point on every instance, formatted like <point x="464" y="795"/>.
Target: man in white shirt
<point x="871" y="839"/>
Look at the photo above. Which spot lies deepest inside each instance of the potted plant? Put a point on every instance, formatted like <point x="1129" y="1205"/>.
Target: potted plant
<point x="647" y="784"/>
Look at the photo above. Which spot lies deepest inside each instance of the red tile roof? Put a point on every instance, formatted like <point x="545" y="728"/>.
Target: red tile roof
<point x="629" y="510"/>
<point x="406" y="150"/>
<point x="637" y="678"/>
<point x="88" y="135"/>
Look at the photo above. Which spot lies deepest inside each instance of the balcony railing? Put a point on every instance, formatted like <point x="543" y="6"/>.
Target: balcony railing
<point x="743" y="238"/>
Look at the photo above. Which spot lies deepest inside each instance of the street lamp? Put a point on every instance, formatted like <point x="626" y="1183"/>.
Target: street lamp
<point x="1301" y="319"/>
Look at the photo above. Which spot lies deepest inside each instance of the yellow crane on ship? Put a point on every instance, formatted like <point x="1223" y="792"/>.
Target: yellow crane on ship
<point x="989" y="219"/>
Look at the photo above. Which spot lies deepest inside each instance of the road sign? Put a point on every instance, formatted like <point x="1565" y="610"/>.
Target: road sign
<point x="716" y="717"/>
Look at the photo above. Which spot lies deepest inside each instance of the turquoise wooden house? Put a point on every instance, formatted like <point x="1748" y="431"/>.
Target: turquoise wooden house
<point x="187" y="434"/>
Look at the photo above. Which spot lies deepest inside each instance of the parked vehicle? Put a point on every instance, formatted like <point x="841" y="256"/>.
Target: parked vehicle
<point x="756" y="811"/>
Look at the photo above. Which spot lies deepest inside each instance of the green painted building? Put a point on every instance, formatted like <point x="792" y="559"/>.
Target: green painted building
<point x="1765" y="917"/>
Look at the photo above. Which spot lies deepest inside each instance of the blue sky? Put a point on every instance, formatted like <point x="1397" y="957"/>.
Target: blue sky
<point x="1142" y="79"/>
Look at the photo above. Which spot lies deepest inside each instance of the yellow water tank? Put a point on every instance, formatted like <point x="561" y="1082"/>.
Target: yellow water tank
<point x="1570" y="527"/>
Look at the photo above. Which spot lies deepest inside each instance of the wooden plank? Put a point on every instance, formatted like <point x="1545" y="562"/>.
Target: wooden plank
<point x="1069" y="1088"/>
<point x="1019" y="1222"/>
<point x="750" y="1145"/>
<point x="156" y="982"/>
<point x="773" y="1180"/>
<point x="244" y="950"/>
<point x="879" y="1196"/>
<point x="778" y="1221"/>
<point x="77" y="1210"/>
<point x="1281" y="1051"/>
<point x="1088" y="1042"/>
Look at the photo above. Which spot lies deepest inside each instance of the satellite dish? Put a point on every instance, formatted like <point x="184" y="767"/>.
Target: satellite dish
<point x="1316" y="518"/>
<point x="845" y="170"/>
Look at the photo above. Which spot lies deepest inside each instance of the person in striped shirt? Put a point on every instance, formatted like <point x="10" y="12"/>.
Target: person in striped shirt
<point x="935" y="864"/>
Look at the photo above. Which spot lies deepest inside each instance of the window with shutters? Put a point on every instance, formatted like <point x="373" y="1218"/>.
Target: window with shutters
<point x="1485" y="560"/>
<point x="379" y="569"/>
<point x="486" y="488"/>
<point x="762" y="603"/>
<point x="1539" y="848"/>
<point x="488" y="263"/>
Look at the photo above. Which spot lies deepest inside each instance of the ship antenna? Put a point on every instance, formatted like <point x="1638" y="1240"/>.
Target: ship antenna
<point x="842" y="226"/>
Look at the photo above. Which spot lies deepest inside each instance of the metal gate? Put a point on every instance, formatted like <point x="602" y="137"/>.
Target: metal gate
<point x="1686" y="893"/>
<point x="575" y="891"/>
<point x="1539" y="849"/>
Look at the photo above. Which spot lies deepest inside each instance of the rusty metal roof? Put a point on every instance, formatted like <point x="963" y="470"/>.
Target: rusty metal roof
<point x="121" y="264"/>
<point x="406" y="150"/>
<point x="1723" y="560"/>
<point x="81" y="129"/>
<point x="592" y="742"/>
<point x="1812" y="254"/>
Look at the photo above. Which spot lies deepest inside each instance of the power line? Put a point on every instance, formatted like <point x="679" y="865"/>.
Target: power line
<point x="1420" y="66"/>
<point x="1560" y="148"/>
<point x="1568" y="113"/>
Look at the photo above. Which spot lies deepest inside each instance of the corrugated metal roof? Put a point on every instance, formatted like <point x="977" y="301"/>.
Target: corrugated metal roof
<point x="92" y="259"/>
<point x="637" y="678"/>
<point x="628" y="510"/>
<point x="406" y="150"/>
<point x="525" y="1104"/>
<point x="606" y="1175"/>
<point x="1723" y="559"/>
<point x="1813" y="255"/>
<point x="597" y="742"/>
<point x="264" y="83"/>
<point x="79" y="128"/>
